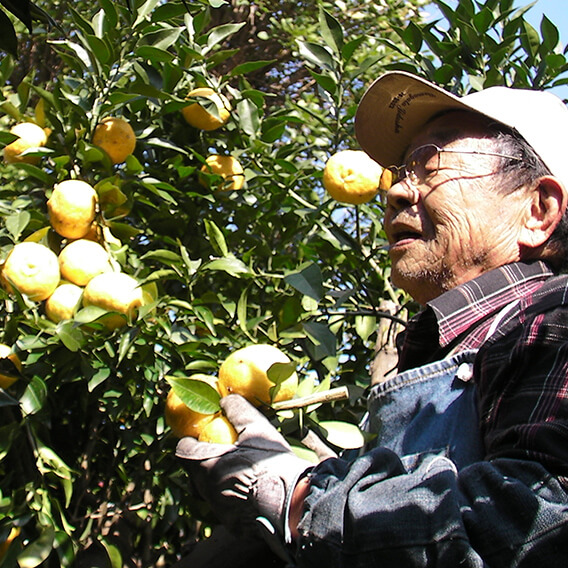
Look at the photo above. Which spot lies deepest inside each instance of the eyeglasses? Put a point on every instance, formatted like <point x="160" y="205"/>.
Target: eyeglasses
<point x="424" y="162"/>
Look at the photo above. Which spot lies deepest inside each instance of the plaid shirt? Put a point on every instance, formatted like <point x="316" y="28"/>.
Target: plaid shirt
<point x="509" y="509"/>
<point x="521" y="371"/>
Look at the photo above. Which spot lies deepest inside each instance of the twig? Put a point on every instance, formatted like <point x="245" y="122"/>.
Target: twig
<point x="338" y="393"/>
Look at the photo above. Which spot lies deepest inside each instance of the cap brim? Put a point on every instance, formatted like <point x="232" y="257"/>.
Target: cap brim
<point x="394" y="109"/>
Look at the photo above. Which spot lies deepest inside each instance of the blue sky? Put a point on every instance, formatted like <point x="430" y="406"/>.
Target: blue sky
<point x="555" y="10"/>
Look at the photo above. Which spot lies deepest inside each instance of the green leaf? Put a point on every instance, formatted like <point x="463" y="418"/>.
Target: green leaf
<point x="197" y="394"/>
<point x="70" y="336"/>
<point x="279" y="372"/>
<point x="219" y="33"/>
<point x="316" y="54"/>
<point x="324" y="340"/>
<point x="16" y="223"/>
<point x="34" y="396"/>
<point x="230" y="265"/>
<point x="162" y="39"/>
<point x="308" y="281"/>
<point x="351" y="47"/>
<point x="483" y="20"/>
<point x="99" y="377"/>
<point x="154" y="54"/>
<point x="342" y="434"/>
<point x="110" y="12"/>
<point x="249" y="119"/>
<point x="163" y="255"/>
<point x="8" y="38"/>
<point x="325" y="82"/>
<point x="530" y="40"/>
<point x="38" y="551"/>
<point x="242" y="310"/>
<point x="37" y="173"/>
<point x="216" y="238"/>
<point x="249" y="67"/>
<point x="99" y="48"/>
<point x="21" y="9"/>
<point x="113" y="554"/>
<point x="550" y="34"/>
<point x="331" y="31"/>
<point x="145" y="10"/>
<point x="49" y="461"/>
<point x="412" y="37"/>
<point x="365" y="326"/>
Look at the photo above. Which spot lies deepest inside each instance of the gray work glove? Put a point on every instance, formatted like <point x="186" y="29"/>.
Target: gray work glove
<point x="247" y="484"/>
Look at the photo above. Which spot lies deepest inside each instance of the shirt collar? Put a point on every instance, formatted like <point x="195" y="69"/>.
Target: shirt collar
<point x="459" y="308"/>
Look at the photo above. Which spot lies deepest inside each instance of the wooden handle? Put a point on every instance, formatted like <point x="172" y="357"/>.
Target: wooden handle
<point x="338" y="393"/>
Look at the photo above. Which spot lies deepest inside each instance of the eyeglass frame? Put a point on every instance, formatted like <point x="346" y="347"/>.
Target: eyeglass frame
<point x="403" y="169"/>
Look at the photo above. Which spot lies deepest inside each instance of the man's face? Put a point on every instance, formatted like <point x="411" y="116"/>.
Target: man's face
<point x="454" y="225"/>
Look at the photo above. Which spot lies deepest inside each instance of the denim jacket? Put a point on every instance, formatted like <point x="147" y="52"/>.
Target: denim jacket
<point x="424" y="496"/>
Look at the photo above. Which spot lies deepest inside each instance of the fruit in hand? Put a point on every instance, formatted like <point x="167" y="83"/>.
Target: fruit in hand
<point x="351" y="176"/>
<point x="182" y="420"/>
<point x="226" y="166"/>
<point x="199" y="117"/>
<point x="244" y="372"/>
<point x="72" y="208"/>
<point x="33" y="269"/>
<point x="116" y="137"/>
<point x="30" y="136"/>
<point x="218" y="431"/>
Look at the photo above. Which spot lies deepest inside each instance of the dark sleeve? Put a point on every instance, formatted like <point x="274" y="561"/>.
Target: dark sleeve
<point x="523" y="389"/>
<point x="373" y="512"/>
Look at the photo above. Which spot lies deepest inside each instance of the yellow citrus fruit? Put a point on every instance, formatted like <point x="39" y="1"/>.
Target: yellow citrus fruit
<point x="114" y="292"/>
<point x="82" y="260"/>
<point x="33" y="269"/>
<point x="182" y="420"/>
<point x="218" y="431"/>
<point x="351" y="176"/>
<point x="116" y="137"/>
<point x="72" y="208"/>
<point x="244" y="372"/>
<point x="11" y="366"/>
<point x="30" y="136"/>
<point x="227" y="167"/>
<point x="64" y="301"/>
<point x="199" y="117"/>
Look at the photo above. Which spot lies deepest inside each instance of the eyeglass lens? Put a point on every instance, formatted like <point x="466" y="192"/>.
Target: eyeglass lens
<point x="420" y="163"/>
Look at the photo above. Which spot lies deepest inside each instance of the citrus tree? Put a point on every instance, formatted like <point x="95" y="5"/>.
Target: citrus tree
<point x="222" y="236"/>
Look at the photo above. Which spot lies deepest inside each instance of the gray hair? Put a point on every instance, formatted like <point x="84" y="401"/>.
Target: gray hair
<point x="526" y="172"/>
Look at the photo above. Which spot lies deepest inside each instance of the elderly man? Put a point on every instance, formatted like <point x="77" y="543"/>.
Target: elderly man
<point x="470" y="464"/>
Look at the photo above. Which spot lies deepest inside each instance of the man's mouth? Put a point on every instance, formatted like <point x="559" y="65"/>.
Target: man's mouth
<point x="400" y="238"/>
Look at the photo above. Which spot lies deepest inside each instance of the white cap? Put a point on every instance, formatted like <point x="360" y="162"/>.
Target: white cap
<point x="397" y="105"/>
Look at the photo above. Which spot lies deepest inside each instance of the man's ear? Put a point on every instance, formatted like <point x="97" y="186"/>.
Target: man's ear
<point x="547" y="203"/>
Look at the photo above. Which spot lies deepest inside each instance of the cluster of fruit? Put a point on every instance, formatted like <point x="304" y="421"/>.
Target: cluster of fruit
<point x="82" y="272"/>
<point x="244" y="372"/>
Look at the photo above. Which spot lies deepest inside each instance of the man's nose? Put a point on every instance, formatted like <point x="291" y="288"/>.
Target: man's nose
<point x="402" y="194"/>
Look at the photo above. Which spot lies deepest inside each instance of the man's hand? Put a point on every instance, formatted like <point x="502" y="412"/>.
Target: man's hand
<point x="247" y="484"/>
